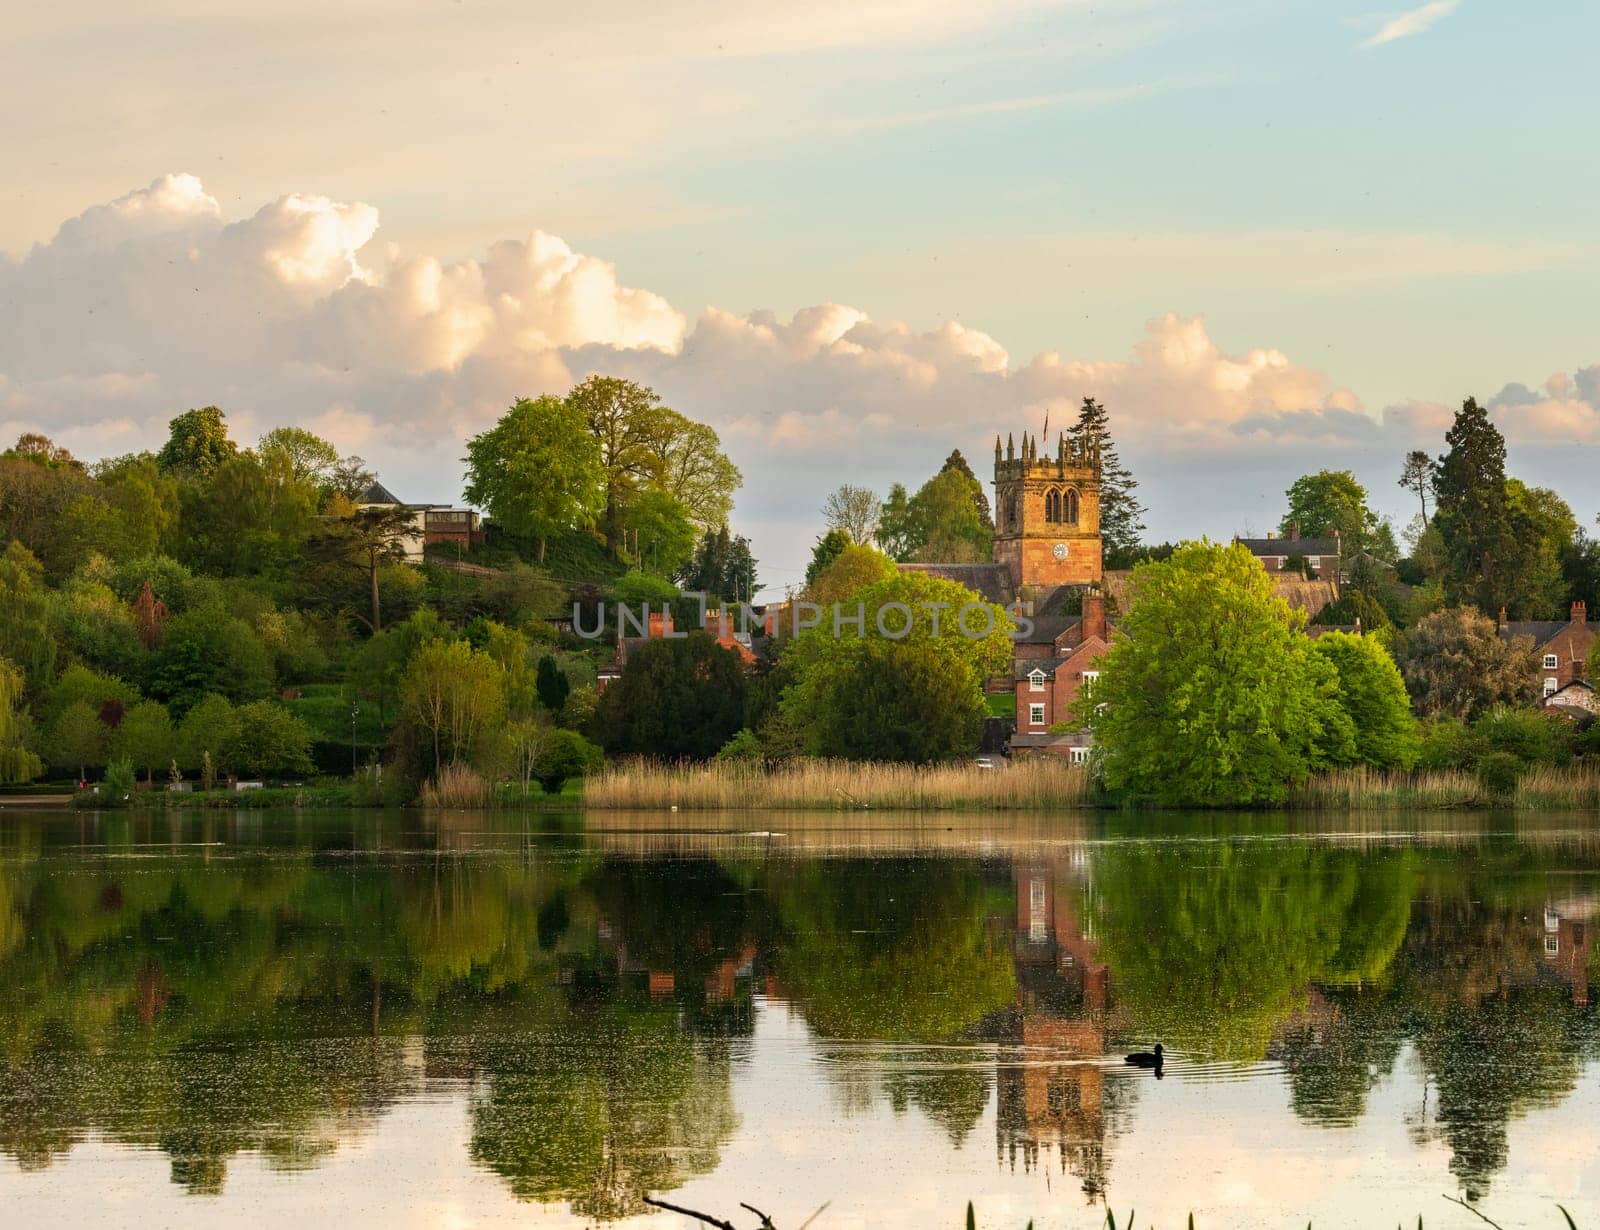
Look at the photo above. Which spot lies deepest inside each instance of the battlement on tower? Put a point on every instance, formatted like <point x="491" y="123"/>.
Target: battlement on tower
<point x="1047" y="513"/>
<point x="1070" y="460"/>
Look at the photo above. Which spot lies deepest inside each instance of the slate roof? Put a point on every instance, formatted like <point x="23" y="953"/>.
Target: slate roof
<point x="377" y="493"/>
<point x="993" y="581"/>
<point x="1021" y="668"/>
<point x="1290" y="546"/>
<point x="1541" y="630"/>
<point x="1046" y="628"/>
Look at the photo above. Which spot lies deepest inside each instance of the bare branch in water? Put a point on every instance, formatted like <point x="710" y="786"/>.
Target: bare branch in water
<point x="678" y="1208"/>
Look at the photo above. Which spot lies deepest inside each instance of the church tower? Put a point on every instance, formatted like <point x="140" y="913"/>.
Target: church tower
<point x="1047" y="514"/>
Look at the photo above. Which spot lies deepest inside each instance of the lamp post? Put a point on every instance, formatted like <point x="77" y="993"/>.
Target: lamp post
<point x="354" y="710"/>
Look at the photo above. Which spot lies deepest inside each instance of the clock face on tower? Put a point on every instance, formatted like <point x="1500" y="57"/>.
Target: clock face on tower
<point x="1059" y="550"/>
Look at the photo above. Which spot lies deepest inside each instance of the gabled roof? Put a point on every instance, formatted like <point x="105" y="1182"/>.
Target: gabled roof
<point x="1290" y="546"/>
<point x="993" y="581"/>
<point x="1023" y="668"/>
<point x="377" y="493"/>
<point x="1541" y="630"/>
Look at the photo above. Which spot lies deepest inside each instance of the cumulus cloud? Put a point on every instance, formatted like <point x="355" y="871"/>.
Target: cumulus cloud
<point x="1413" y="21"/>
<point x="154" y="302"/>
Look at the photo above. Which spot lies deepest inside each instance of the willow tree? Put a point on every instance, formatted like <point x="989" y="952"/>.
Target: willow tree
<point x="17" y="762"/>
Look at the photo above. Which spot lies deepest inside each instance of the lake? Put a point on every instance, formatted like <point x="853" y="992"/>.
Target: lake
<point x="359" y="1020"/>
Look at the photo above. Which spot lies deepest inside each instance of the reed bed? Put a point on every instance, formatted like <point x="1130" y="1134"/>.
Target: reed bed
<point x="1576" y="788"/>
<point x="1039" y="784"/>
<point x="456" y="785"/>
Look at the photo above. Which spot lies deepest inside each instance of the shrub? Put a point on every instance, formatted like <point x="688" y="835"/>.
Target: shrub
<point x="565" y="755"/>
<point x="1499" y="771"/>
<point x="744" y="746"/>
<point x="119" y="781"/>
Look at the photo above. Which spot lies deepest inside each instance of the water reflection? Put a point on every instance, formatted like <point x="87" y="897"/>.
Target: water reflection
<point x="274" y="985"/>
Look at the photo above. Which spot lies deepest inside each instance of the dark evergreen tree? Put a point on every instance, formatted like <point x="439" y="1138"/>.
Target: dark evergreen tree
<point x="1121" y="514"/>
<point x="739" y="572"/>
<point x="955" y="461"/>
<point x="1473" y="517"/>
<point x="677" y="699"/>
<point x="552" y="685"/>
<point x="825" y="552"/>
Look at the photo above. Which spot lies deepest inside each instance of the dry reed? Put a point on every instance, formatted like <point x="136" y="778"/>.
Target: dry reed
<point x="1545" y="789"/>
<point x="456" y="785"/>
<point x="823" y="785"/>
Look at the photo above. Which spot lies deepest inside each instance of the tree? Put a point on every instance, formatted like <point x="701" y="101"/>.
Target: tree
<point x="955" y="461"/>
<point x="1331" y="502"/>
<point x="207" y="734"/>
<point x="1372" y="692"/>
<point x="41" y="450"/>
<point x="18" y="763"/>
<point x="266" y="739"/>
<point x="1212" y="695"/>
<point x="722" y="567"/>
<point x="1546" y="533"/>
<point x="538" y="471"/>
<point x="677" y="699"/>
<point x="1121" y="514"/>
<point x="364" y="541"/>
<point x="208" y="650"/>
<point x="896" y="533"/>
<point x="1456" y="664"/>
<point x="77" y="739"/>
<point x="943" y="520"/>
<point x="309" y="458"/>
<point x="1417" y="475"/>
<point x="26" y="637"/>
<point x="197" y="443"/>
<point x="249" y="517"/>
<point x="1475" y="525"/>
<point x="691" y="468"/>
<point x="854" y="510"/>
<point x="627" y="421"/>
<point x="825" y="552"/>
<point x="886" y="701"/>
<point x="658" y="530"/>
<point x="855" y="569"/>
<point x="1592" y="667"/>
<point x="452" y="693"/>
<point x="145" y="737"/>
<point x="564" y="755"/>
<point x="552" y="684"/>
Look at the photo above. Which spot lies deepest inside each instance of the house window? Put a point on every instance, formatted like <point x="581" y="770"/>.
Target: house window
<point x="1035" y="715"/>
<point x="1551" y="685"/>
<point x="1550" y="661"/>
<point x="1314" y="562"/>
<point x="1035" y="681"/>
<point x="1080" y="755"/>
<point x="1552" y="945"/>
<point x="1090" y="676"/>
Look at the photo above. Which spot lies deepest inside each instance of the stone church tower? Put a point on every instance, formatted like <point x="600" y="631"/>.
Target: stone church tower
<point x="1047" y="514"/>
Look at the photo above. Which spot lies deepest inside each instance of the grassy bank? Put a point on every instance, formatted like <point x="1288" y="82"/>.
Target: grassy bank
<point x="319" y="794"/>
<point x="1541" y="789"/>
<point x="1034" y="785"/>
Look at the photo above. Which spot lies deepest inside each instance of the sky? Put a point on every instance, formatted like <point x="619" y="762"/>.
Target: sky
<point x="1273" y="236"/>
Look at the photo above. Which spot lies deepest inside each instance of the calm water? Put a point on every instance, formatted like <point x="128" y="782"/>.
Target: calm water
<point x="326" y="1021"/>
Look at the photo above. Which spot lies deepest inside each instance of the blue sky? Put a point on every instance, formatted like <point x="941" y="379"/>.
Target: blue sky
<point x="1357" y="225"/>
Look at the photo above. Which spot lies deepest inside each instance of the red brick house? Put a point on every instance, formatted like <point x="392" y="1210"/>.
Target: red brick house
<point x="1047" y="674"/>
<point x="1562" y="648"/>
<point x="1321" y="557"/>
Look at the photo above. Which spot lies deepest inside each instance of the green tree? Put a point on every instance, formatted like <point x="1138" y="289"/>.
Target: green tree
<point x="1477" y="529"/>
<point x="209" y="729"/>
<point x="659" y="533"/>
<point x="26" y="636"/>
<point x="955" y="461"/>
<point x="1546" y="532"/>
<point x="1121" y="514"/>
<point x="677" y="699"/>
<point x="18" y="763"/>
<point x="552" y="684"/>
<point x="208" y="650"/>
<point x="1456" y="664"/>
<point x="197" y="443"/>
<point x="266" y="739"/>
<point x="853" y="570"/>
<point x="1372" y="692"/>
<point x="855" y="510"/>
<point x="1417" y="475"/>
<point x="883" y="701"/>
<point x="1213" y="694"/>
<point x="827" y="550"/>
<point x="249" y="516"/>
<point x="77" y="739"/>
<point x="145" y="738"/>
<point x="564" y="755"/>
<point x="538" y="470"/>
<point x="691" y="468"/>
<point x="1331" y="502"/>
<point x="452" y="693"/>
<point x="358" y="543"/>
<point x="308" y="457"/>
<point x="628" y="423"/>
<point x="945" y="520"/>
<point x="896" y="532"/>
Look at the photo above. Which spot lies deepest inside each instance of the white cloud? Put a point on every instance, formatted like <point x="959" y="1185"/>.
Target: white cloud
<point x="1414" y="21"/>
<point x="155" y="302"/>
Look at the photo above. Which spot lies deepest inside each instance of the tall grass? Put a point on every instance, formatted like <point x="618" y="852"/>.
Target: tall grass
<point x="1575" y="788"/>
<point x="821" y="785"/>
<point x="456" y="785"/>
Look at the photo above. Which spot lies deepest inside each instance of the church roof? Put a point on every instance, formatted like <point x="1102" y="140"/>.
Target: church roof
<point x="993" y="581"/>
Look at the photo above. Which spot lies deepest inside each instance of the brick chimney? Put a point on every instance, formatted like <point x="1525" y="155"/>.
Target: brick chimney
<point x="1094" y="617"/>
<point x="1580" y="612"/>
<point x="1294" y="531"/>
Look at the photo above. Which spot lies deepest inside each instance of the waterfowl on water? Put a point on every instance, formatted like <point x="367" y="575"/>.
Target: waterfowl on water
<point x="1145" y="1059"/>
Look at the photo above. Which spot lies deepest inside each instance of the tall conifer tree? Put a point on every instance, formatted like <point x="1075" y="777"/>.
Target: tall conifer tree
<point x="1121" y="514"/>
